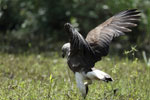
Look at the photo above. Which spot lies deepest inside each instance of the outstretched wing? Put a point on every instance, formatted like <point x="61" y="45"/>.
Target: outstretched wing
<point x="80" y="50"/>
<point x="78" y="43"/>
<point x="100" y="37"/>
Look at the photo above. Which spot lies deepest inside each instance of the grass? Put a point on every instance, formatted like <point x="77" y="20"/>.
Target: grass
<point x="47" y="77"/>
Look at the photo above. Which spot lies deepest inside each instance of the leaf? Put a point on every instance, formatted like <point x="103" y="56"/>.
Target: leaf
<point x="51" y="78"/>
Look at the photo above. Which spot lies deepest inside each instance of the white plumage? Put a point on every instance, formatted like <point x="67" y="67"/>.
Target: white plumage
<point x="84" y="79"/>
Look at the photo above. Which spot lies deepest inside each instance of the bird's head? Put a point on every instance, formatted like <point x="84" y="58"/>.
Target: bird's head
<point x="65" y="50"/>
<point x="68" y="27"/>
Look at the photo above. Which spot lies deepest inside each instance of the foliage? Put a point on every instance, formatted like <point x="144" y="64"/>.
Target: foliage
<point x="47" y="77"/>
<point x="26" y="22"/>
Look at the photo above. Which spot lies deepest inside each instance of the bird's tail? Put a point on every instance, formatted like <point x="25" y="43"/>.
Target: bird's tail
<point x="99" y="75"/>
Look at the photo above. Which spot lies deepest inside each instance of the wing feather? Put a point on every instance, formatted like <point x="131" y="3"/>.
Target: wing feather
<point x="100" y="37"/>
<point x="81" y="52"/>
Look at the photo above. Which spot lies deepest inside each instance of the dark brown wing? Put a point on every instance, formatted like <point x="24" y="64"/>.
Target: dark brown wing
<point x="100" y="37"/>
<point x="78" y="43"/>
<point x="80" y="52"/>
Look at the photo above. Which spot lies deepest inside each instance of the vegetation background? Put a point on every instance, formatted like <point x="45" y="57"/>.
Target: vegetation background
<point x="38" y="24"/>
<point x="31" y="36"/>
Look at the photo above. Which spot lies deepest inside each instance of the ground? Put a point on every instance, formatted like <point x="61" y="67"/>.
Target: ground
<point x="47" y="77"/>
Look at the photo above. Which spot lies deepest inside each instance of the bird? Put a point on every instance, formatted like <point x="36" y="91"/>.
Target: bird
<point x="82" y="53"/>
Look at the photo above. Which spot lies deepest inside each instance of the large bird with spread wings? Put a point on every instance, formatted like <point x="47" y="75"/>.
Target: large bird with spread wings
<point x="82" y="54"/>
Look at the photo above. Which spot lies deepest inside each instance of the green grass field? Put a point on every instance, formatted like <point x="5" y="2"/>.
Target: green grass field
<point x="47" y="77"/>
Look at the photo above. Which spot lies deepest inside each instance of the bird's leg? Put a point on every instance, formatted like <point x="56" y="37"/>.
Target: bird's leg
<point x="80" y="84"/>
<point x="88" y="82"/>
